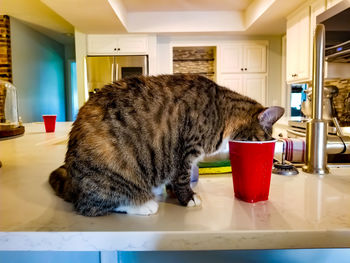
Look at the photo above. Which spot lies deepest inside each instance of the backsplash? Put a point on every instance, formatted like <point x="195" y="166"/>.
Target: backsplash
<point x="342" y="101"/>
<point x="198" y="60"/>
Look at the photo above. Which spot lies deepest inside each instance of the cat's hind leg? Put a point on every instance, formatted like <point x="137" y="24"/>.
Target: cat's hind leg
<point x="148" y="208"/>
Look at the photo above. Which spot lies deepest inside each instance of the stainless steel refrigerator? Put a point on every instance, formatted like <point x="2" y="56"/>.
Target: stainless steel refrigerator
<point x="102" y="70"/>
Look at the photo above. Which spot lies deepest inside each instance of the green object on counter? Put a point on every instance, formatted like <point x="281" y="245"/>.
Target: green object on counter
<point x="221" y="163"/>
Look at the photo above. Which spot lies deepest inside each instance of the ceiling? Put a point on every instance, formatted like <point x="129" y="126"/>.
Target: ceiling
<point x="185" y="5"/>
<point x="258" y="17"/>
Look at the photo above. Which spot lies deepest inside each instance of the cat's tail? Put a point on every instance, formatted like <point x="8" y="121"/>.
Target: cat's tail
<point x="61" y="183"/>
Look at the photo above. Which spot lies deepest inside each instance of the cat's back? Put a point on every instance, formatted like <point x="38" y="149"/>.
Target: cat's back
<point x="149" y="95"/>
<point x="154" y="87"/>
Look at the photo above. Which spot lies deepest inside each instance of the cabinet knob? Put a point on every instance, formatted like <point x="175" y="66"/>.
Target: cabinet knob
<point x="118" y="48"/>
<point x="241" y="69"/>
<point x="115" y="49"/>
<point x="245" y="68"/>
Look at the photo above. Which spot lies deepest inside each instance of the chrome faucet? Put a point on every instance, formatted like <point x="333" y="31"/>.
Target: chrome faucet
<point x="316" y="128"/>
<point x="318" y="144"/>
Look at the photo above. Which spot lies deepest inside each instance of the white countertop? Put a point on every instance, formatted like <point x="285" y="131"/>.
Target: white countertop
<point x="304" y="211"/>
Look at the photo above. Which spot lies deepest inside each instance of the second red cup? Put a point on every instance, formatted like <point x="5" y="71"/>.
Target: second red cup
<point x="251" y="163"/>
<point x="49" y="122"/>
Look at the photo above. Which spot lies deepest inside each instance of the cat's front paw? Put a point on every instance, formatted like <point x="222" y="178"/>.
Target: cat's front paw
<point x="146" y="209"/>
<point x="195" y="201"/>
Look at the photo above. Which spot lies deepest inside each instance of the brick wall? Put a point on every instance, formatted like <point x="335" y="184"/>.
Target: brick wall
<point x="197" y="60"/>
<point x="342" y="104"/>
<point x="5" y="49"/>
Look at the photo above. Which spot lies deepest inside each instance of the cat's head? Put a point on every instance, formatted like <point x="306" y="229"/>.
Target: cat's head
<point x="259" y="128"/>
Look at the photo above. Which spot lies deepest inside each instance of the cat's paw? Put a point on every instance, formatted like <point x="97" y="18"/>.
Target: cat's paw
<point x="195" y="201"/>
<point x="148" y="208"/>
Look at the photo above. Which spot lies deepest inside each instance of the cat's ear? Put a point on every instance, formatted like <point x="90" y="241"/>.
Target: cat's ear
<point x="270" y="115"/>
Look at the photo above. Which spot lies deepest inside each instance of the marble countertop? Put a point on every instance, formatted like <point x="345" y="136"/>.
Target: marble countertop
<point x="304" y="211"/>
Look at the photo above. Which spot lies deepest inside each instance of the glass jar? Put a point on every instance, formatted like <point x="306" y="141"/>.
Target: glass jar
<point x="8" y="106"/>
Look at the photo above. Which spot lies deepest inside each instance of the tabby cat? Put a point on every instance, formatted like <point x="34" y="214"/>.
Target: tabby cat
<point x="139" y="133"/>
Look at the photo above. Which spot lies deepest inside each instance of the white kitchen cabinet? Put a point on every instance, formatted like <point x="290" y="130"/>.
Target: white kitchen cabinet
<point x="233" y="82"/>
<point x="132" y="44"/>
<point x="255" y="87"/>
<point x="298" y="46"/>
<point x="116" y="45"/>
<point x="102" y="44"/>
<point x="255" y="58"/>
<point x="243" y="57"/>
<point x="231" y="58"/>
<point x="251" y="85"/>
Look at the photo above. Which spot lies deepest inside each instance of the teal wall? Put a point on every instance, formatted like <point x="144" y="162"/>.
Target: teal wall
<point x="49" y="257"/>
<point x="38" y="69"/>
<point x="236" y="256"/>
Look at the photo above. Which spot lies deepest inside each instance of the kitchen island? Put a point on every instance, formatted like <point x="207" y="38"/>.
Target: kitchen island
<point x="303" y="211"/>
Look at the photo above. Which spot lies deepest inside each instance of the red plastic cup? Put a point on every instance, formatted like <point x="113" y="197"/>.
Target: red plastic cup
<point x="50" y="122"/>
<point x="251" y="163"/>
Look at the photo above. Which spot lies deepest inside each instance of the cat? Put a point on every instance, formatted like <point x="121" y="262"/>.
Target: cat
<point x="141" y="132"/>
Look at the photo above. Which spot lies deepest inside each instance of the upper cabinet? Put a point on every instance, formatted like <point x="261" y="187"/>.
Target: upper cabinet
<point x="251" y="85"/>
<point x="298" y="45"/>
<point x="242" y="68"/>
<point x="116" y="45"/>
<point x="243" y="57"/>
<point x="301" y="26"/>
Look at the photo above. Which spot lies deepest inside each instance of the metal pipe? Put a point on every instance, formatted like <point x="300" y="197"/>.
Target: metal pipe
<point x="318" y="72"/>
<point x="316" y="129"/>
<point x="336" y="145"/>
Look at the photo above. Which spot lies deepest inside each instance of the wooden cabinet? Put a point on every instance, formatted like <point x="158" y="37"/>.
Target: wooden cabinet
<point x="243" y="57"/>
<point x="298" y="46"/>
<point x="251" y="85"/>
<point x="116" y="45"/>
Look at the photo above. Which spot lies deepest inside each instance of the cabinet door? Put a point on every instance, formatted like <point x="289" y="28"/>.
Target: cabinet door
<point x="233" y="82"/>
<point x="132" y="45"/>
<point x="102" y="44"/>
<point x="292" y="48"/>
<point x="303" y="72"/>
<point x="255" y="87"/>
<point x="298" y="46"/>
<point x="255" y="58"/>
<point x="231" y="59"/>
